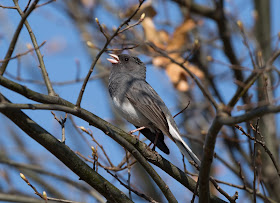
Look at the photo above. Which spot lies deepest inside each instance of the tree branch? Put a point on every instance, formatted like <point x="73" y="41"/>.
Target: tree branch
<point x="208" y="153"/>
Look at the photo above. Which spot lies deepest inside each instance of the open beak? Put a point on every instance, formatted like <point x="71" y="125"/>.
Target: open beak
<point x="114" y="60"/>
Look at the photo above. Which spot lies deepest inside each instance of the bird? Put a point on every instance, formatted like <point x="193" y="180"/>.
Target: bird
<point x="137" y="102"/>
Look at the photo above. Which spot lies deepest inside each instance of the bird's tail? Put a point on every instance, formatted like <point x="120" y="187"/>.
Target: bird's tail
<point x="186" y="151"/>
<point x="184" y="148"/>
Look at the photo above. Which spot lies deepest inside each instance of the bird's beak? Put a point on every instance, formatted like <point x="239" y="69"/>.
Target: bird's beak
<point x="114" y="60"/>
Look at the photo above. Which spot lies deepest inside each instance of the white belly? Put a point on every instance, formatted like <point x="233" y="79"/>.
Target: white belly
<point x="130" y="113"/>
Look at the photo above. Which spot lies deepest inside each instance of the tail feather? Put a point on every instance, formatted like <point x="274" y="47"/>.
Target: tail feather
<point x="184" y="148"/>
<point x="186" y="151"/>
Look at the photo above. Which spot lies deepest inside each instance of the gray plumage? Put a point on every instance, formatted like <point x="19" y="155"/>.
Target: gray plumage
<point x="140" y="105"/>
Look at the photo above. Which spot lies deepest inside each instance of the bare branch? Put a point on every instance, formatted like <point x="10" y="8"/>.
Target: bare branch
<point x="22" y="54"/>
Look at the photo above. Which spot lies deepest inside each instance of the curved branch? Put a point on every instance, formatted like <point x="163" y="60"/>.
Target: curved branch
<point x="258" y="112"/>
<point x="208" y="153"/>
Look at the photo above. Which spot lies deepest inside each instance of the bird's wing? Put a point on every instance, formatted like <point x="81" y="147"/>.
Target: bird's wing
<point x="145" y="99"/>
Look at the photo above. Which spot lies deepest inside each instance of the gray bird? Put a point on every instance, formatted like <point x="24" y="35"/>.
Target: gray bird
<point x="139" y="104"/>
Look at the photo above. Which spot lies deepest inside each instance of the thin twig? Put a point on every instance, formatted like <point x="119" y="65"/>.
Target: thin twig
<point x="195" y="192"/>
<point x="67" y="82"/>
<point x="254" y="165"/>
<point x="182" y="110"/>
<point x="245" y="41"/>
<point x="43" y="4"/>
<point x="9" y="7"/>
<point x="263" y="145"/>
<point x="247" y="189"/>
<point x="128" y="173"/>
<point x="123" y="48"/>
<point x="61" y="122"/>
<point x="273" y="58"/>
<point x="242" y="176"/>
<point x="231" y="199"/>
<point x="149" y="199"/>
<point x="27" y="5"/>
<point x="99" y="145"/>
<point x="133" y="25"/>
<point x="41" y="170"/>
<point x="42" y="195"/>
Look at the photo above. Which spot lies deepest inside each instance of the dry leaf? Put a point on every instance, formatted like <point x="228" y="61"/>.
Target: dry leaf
<point x="160" y="61"/>
<point x="150" y="30"/>
<point x="177" y="76"/>
<point x="195" y="70"/>
<point x="179" y="38"/>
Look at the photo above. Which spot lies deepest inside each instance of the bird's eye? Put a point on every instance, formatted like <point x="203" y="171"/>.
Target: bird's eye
<point x="126" y="59"/>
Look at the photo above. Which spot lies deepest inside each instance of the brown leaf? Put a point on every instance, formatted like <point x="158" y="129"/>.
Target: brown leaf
<point x="150" y="30"/>
<point x="178" y="75"/>
<point x="195" y="70"/>
<point x="180" y="37"/>
<point x="161" y="39"/>
<point x="160" y="61"/>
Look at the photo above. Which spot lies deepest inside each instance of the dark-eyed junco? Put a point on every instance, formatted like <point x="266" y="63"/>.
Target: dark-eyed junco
<point x="140" y="105"/>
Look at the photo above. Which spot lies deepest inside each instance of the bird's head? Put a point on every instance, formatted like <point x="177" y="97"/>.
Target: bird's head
<point x="127" y="64"/>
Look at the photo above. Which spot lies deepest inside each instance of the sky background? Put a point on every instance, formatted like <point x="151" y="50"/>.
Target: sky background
<point x="63" y="50"/>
